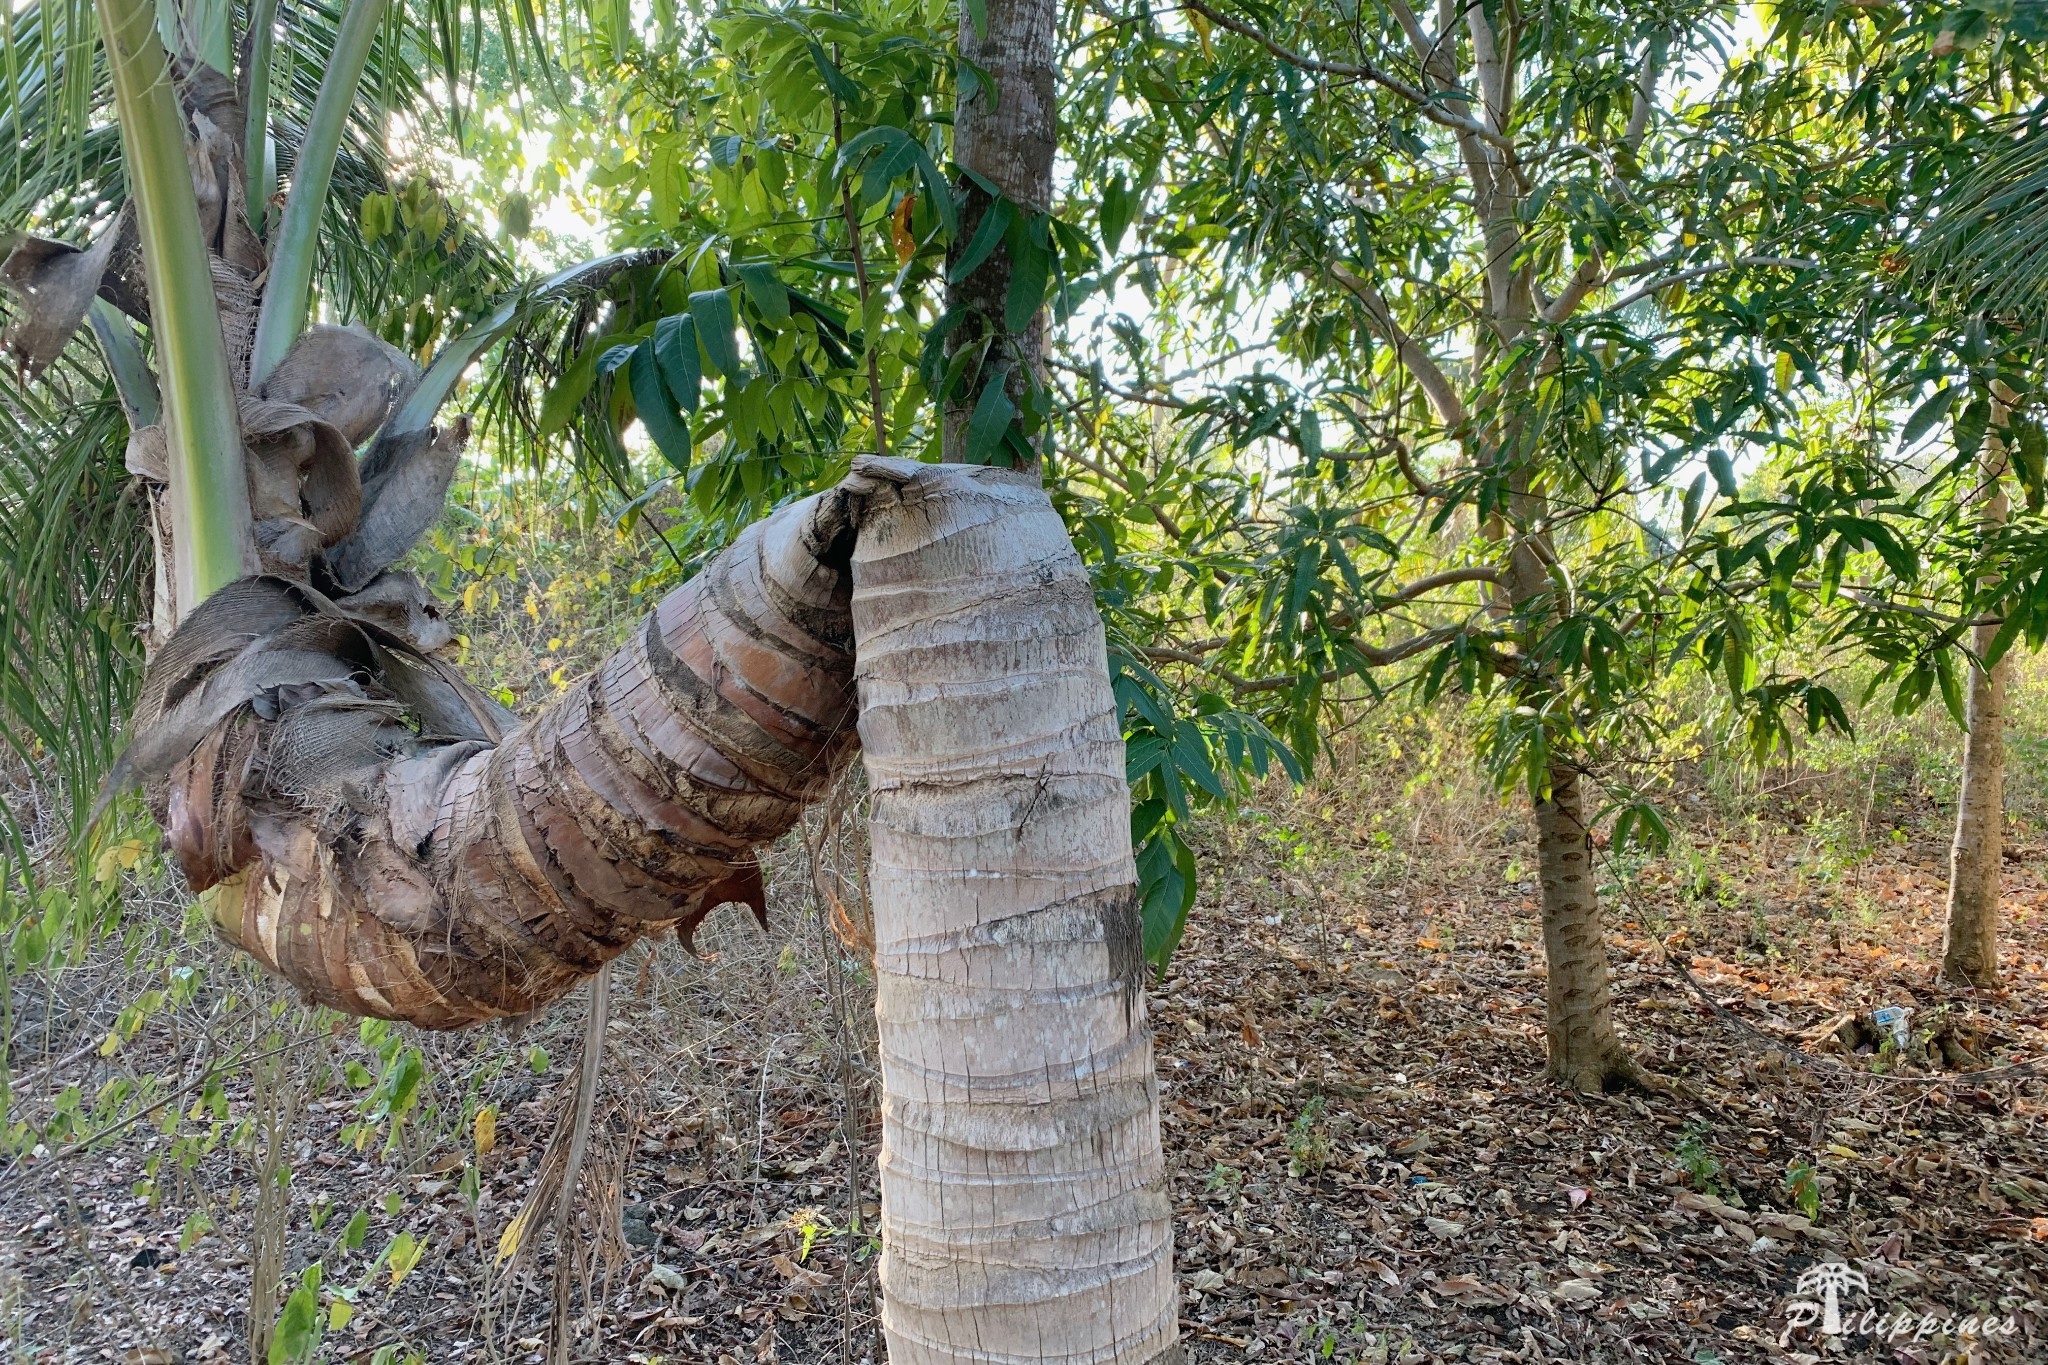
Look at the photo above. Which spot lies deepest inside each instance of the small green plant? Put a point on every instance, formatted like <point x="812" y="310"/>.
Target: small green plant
<point x="296" y="1335"/>
<point x="1225" y="1180"/>
<point x="1802" y="1186"/>
<point x="1702" y="1170"/>
<point x="1308" y="1142"/>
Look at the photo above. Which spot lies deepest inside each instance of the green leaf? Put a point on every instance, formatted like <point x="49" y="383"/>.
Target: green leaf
<point x="297" y="1332"/>
<point x="682" y="368"/>
<point x="712" y="308"/>
<point x="1119" y="207"/>
<point x="1166" y="890"/>
<point x="670" y="434"/>
<point x="1932" y="410"/>
<point x="1689" y="514"/>
<point x="897" y="153"/>
<point x="378" y="215"/>
<point x="836" y="82"/>
<point x="767" y="291"/>
<point x="1971" y="426"/>
<point x="1951" y="690"/>
<point x="1030" y="269"/>
<point x="1723" y="470"/>
<point x="993" y="413"/>
<point x="977" y="14"/>
<point x="988" y="233"/>
<point x="558" y="406"/>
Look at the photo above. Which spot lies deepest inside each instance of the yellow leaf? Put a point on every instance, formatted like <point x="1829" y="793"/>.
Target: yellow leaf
<point x="339" y="1313"/>
<point x="1200" y="22"/>
<point x="118" y="858"/>
<point x="900" y="233"/>
<point x="508" y="1243"/>
<point x="469" y="595"/>
<point x="486" y="1130"/>
<point x="406" y="1251"/>
<point x="1837" y="1149"/>
<point x="111" y="1046"/>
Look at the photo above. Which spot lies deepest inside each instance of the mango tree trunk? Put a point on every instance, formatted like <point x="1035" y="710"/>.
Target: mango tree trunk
<point x="1584" y="1050"/>
<point x="1969" y="954"/>
<point x="1025" y="1215"/>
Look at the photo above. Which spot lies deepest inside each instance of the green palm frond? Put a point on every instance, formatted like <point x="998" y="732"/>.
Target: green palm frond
<point x="72" y="588"/>
<point x="1987" y="251"/>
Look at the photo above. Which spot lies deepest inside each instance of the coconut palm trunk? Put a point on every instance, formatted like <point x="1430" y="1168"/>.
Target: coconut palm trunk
<point x="377" y="832"/>
<point x="1969" y="954"/>
<point x="1025" y="1215"/>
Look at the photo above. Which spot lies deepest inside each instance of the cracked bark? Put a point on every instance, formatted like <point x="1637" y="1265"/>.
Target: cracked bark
<point x="1969" y="952"/>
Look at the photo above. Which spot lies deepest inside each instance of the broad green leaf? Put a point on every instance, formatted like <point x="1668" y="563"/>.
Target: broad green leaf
<point x="712" y="309"/>
<point x="651" y="400"/>
<point x="682" y="367"/>
<point x="992" y="415"/>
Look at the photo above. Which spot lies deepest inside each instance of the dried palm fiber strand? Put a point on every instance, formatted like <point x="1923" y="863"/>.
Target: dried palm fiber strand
<point x="1025" y="1213"/>
<point x="372" y="830"/>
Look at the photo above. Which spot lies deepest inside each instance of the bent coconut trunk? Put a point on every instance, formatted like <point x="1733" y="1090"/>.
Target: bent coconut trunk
<point x="1025" y="1215"/>
<point x="367" y="835"/>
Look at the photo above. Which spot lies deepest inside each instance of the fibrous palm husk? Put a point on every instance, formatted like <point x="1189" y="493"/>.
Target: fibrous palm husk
<point x="371" y="834"/>
<point x="55" y="282"/>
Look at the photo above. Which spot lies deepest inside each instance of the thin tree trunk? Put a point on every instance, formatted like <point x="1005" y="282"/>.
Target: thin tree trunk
<point x="1025" y="1214"/>
<point x="1007" y="134"/>
<point x="1969" y="954"/>
<point x="1584" y="1050"/>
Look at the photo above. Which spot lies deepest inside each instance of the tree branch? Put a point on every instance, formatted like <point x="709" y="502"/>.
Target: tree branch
<point x="1664" y="282"/>
<point x="1386" y="80"/>
<point x="1436" y="385"/>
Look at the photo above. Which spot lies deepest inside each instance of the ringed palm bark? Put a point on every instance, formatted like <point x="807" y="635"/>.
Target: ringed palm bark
<point x="377" y="832"/>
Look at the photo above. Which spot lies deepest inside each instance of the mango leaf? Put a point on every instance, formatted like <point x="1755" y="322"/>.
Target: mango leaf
<point x="1927" y="414"/>
<point x="1723" y="470"/>
<point x="1119" y="207"/>
<point x="670" y="434"/>
<point x="1030" y="269"/>
<point x="712" y="308"/>
<point x="993" y="413"/>
<point x="987" y="234"/>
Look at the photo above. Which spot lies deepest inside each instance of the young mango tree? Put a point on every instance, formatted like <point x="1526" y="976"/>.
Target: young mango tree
<point x="1555" y="279"/>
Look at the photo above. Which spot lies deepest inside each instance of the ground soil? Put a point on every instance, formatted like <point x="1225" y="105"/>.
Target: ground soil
<point x="1367" y="1162"/>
